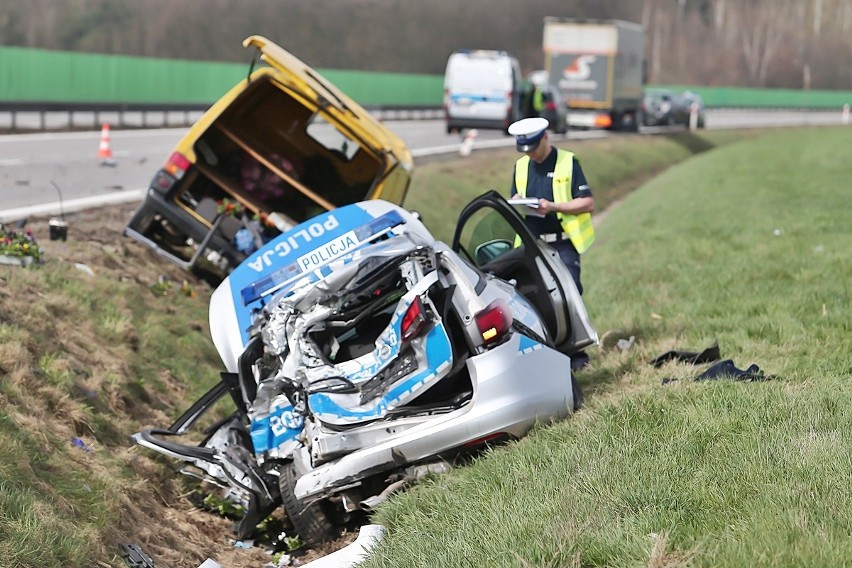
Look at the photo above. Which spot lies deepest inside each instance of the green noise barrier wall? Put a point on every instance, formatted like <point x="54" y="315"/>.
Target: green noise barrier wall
<point x="38" y="75"/>
<point x="58" y="76"/>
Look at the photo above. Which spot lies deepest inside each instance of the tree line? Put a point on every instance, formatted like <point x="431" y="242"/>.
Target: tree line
<point x="757" y="43"/>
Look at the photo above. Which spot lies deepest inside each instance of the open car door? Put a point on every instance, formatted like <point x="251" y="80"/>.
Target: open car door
<point x="492" y="236"/>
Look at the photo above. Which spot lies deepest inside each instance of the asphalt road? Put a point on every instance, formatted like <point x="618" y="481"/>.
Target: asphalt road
<point x="38" y="172"/>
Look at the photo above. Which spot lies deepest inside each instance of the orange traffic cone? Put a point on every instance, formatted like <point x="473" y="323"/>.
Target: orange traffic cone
<point x="104" y="151"/>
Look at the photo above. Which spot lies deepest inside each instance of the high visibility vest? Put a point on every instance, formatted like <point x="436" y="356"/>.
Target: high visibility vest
<point x="538" y="100"/>
<point x="578" y="227"/>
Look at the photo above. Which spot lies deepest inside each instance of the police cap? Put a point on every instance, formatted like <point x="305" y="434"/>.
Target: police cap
<point x="528" y="132"/>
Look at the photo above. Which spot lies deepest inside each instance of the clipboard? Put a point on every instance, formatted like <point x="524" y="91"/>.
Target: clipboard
<point x="526" y="205"/>
<point x="525" y="201"/>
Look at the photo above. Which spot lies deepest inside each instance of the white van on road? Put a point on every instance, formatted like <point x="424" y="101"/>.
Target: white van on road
<point x="481" y="90"/>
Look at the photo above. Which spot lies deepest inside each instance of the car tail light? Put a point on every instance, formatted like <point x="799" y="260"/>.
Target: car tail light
<point x="177" y="164"/>
<point x="603" y="121"/>
<point x="550" y="105"/>
<point x="414" y="320"/>
<point x="494" y="322"/>
<point x="162" y="182"/>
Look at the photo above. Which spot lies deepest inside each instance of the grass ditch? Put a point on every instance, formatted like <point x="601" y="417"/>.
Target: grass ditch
<point x="86" y="360"/>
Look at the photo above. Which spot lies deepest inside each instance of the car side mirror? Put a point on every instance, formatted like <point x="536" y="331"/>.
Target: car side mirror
<point x="486" y="252"/>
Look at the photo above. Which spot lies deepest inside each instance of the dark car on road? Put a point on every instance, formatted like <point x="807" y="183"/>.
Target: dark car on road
<point x="555" y="110"/>
<point x="659" y="108"/>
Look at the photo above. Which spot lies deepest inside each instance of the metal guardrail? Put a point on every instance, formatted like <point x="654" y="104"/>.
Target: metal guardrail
<point x="29" y="115"/>
<point x="26" y="116"/>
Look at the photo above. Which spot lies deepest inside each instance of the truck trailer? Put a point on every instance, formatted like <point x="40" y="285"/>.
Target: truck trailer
<point x="598" y="66"/>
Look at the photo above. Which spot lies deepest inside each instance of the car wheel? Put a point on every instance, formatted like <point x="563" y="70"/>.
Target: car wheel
<point x="576" y="393"/>
<point x="309" y="519"/>
<point x="630" y="121"/>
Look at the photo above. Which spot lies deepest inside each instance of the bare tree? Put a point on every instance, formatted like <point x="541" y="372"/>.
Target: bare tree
<point x="701" y="42"/>
<point x="763" y="25"/>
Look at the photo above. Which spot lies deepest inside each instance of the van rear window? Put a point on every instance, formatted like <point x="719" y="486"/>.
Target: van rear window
<point x="333" y="139"/>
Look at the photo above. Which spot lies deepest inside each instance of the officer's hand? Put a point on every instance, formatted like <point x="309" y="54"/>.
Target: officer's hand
<point x="545" y="206"/>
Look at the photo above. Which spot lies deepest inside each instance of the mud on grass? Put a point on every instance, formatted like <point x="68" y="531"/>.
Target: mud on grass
<point x="100" y="340"/>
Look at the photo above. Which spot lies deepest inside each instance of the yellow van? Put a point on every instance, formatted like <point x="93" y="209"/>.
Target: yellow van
<point x="279" y="148"/>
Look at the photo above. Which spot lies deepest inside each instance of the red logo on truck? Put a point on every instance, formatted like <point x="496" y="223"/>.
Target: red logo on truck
<point x="579" y="69"/>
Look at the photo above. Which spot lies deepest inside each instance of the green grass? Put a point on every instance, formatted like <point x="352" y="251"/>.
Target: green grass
<point x="68" y="370"/>
<point x="710" y="473"/>
<point x="614" y="166"/>
<point x="51" y="509"/>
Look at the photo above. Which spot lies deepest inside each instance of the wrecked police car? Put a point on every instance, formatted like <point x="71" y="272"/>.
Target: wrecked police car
<point x="361" y="354"/>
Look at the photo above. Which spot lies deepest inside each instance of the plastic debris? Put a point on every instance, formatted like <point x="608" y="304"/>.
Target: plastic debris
<point x="625" y="344"/>
<point x="84" y="268"/>
<point x="351" y="555"/>
<point x="707" y="356"/>
<point x="210" y="563"/>
<point x="727" y="369"/>
<point x="78" y="442"/>
<point x="134" y="557"/>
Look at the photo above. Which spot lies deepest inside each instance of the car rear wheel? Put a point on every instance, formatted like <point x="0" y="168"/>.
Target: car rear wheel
<point x="309" y="519"/>
<point x="576" y="393"/>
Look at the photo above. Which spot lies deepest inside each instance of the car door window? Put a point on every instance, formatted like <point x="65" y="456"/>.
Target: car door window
<point x="492" y="236"/>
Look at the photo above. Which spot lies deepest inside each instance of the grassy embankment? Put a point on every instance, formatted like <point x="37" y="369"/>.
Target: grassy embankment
<point x="749" y="245"/>
<point x="90" y="359"/>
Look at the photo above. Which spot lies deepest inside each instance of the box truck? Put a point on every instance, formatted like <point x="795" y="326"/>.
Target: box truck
<point x="598" y="66"/>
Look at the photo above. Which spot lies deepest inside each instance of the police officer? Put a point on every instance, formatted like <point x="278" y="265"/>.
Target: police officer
<point x="565" y="203"/>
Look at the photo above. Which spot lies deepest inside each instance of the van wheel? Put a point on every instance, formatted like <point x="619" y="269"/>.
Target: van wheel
<point x="309" y="519"/>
